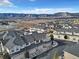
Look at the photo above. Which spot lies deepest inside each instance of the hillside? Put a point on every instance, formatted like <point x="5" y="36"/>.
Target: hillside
<point x="24" y="16"/>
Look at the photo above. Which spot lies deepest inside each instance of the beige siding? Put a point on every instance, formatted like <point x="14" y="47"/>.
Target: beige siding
<point x="70" y="37"/>
<point x="69" y="56"/>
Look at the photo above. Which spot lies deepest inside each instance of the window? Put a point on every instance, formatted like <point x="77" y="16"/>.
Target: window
<point x="58" y="36"/>
<point x="12" y="50"/>
<point x="17" y="49"/>
<point x="74" y="39"/>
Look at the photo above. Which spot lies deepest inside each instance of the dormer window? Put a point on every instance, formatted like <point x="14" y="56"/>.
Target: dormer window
<point x="74" y="39"/>
<point x="12" y="50"/>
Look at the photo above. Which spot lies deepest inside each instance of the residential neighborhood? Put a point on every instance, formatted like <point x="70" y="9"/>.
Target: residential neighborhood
<point x="39" y="29"/>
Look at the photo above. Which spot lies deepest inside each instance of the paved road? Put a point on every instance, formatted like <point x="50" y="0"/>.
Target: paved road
<point x="59" y="50"/>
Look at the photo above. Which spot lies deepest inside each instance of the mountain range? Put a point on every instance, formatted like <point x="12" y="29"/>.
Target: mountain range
<point x="22" y="16"/>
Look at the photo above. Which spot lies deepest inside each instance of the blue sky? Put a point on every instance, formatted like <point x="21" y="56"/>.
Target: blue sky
<point x="38" y="6"/>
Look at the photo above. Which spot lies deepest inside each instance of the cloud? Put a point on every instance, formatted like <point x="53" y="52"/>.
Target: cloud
<point x="39" y="10"/>
<point x="47" y="10"/>
<point x="6" y="3"/>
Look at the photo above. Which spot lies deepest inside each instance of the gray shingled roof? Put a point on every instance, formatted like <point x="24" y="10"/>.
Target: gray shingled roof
<point x="29" y="38"/>
<point x="14" y="40"/>
<point x="9" y="36"/>
<point x="1" y="35"/>
<point x="39" y="36"/>
<point x="18" y="41"/>
<point x="74" y="49"/>
<point x="34" y="37"/>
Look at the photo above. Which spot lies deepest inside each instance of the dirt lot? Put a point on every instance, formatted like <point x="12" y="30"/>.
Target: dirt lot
<point x="28" y="24"/>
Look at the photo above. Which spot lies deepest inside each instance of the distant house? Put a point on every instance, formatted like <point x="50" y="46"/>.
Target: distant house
<point x="72" y="34"/>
